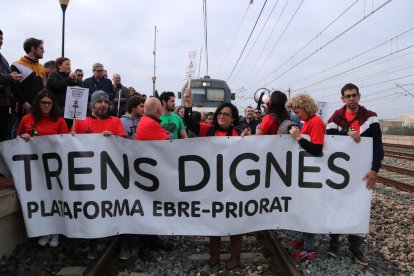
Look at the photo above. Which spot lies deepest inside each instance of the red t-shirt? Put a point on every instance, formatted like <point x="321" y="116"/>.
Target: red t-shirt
<point x="96" y="125"/>
<point x="315" y="127"/>
<point x="150" y="129"/>
<point x="268" y="125"/>
<point x="44" y="127"/>
<point x="205" y="127"/>
<point x="354" y="126"/>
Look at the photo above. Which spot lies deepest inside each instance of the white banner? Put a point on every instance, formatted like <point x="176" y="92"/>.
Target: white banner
<point x="89" y="186"/>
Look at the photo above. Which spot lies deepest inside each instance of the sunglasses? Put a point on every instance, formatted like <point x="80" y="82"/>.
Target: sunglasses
<point x="79" y="75"/>
<point x="351" y="95"/>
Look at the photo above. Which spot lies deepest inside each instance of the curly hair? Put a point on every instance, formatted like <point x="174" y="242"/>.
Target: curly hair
<point x="36" y="111"/>
<point x="303" y="101"/>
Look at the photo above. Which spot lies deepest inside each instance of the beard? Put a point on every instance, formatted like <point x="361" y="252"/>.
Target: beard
<point x="100" y="112"/>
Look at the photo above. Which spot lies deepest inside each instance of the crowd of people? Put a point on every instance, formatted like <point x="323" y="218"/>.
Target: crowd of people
<point x="32" y="97"/>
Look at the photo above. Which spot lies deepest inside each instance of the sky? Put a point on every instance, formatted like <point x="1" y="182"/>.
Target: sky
<point x="296" y="45"/>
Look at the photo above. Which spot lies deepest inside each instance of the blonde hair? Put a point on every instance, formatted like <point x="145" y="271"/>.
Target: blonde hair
<point x="303" y="101"/>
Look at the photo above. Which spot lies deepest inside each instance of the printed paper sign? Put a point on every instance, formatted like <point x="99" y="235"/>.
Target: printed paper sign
<point x="76" y="104"/>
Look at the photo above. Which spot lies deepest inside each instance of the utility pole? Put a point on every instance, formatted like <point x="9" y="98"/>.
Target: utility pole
<point x="289" y="93"/>
<point x="154" y="78"/>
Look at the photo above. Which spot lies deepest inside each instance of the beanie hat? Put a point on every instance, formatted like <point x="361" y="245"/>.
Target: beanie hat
<point x="98" y="95"/>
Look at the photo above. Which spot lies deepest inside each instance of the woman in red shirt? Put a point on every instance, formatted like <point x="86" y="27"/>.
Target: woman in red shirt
<point x="44" y="119"/>
<point x="305" y="109"/>
<point x="225" y="119"/>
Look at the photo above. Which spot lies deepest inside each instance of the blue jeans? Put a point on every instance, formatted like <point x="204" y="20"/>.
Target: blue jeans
<point x="308" y="241"/>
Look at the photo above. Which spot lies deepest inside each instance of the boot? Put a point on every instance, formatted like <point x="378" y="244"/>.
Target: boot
<point x="215" y="246"/>
<point x="236" y="245"/>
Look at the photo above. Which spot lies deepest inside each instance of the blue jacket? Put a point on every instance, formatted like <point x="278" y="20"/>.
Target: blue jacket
<point x="94" y="85"/>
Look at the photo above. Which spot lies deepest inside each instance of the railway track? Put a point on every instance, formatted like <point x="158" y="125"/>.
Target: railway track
<point x="397" y="177"/>
<point x="280" y="261"/>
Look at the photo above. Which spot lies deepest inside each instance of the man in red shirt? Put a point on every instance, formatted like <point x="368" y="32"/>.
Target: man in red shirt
<point x="149" y="127"/>
<point x="100" y="121"/>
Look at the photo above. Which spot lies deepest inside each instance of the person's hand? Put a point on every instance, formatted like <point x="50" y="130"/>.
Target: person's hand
<point x="246" y="132"/>
<point x="371" y="179"/>
<point x="25" y="136"/>
<point x="188" y="97"/>
<point x="355" y="135"/>
<point x="295" y="132"/>
<point x="16" y="76"/>
<point x="107" y="133"/>
<point x="26" y="107"/>
<point x="73" y="76"/>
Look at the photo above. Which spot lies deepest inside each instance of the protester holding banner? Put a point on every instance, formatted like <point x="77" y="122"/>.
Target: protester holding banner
<point x="305" y="108"/>
<point x="134" y="112"/>
<point x="225" y="119"/>
<point x="149" y="127"/>
<point x="44" y="119"/>
<point x="356" y="121"/>
<point x="277" y="118"/>
<point x="100" y="121"/>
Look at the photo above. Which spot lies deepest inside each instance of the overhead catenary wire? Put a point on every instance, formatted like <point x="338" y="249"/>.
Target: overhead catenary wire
<point x="326" y="44"/>
<point x="257" y="38"/>
<point x="266" y="43"/>
<point x="354" y="57"/>
<point x="280" y="37"/>
<point x="234" y="37"/>
<point x="375" y="75"/>
<point x="245" y="45"/>
<point x="359" y="66"/>
<point x="318" y="35"/>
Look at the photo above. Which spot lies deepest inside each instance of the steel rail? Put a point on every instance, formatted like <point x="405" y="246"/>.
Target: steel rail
<point x="399" y="153"/>
<point x="105" y="260"/>
<point x="397" y="169"/>
<point x="397" y="184"/>
<point x="401" y="146"/>
<point x="282" y="263"/>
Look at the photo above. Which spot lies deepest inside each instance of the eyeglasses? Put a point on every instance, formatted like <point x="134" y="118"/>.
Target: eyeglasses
<point x="79" y="75"/>
<point x="257" y="112"/>
<point x="351" y="95"/>
<point x="224" y="114"/>
<point x="46" y="103"/>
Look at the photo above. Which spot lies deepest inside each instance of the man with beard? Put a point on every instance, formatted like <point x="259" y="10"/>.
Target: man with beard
<point x="34" y="75"/>
<point x="249" y="119"/>
<point x="100" y="121"/>
<point x="170" y="121"/>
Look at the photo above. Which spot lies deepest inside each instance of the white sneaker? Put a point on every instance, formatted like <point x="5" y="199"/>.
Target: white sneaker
<point x="54" y="241"/>
<point x="43" y="240"/>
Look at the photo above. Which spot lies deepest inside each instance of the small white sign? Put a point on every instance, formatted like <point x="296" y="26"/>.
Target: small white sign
<point x="323" y="111"/>
<point x="193" y="61"/>
<point x="76" y="104"/>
